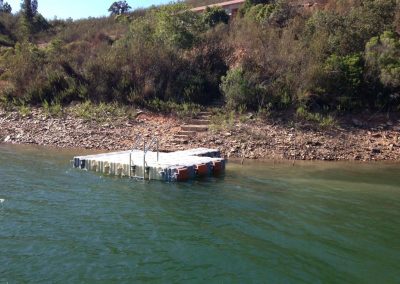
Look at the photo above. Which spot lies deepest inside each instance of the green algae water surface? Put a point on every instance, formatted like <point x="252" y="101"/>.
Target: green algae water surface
<point x="260" y="223"/>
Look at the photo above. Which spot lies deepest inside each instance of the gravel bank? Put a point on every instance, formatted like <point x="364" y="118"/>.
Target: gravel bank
<point x="253" y="139"/>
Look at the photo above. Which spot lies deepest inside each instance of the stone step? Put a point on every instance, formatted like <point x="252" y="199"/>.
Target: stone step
<point x="181" y="136"/>
<point x="180" y="141"/>
<point x="208" y="117"/>
<point x="187" y="133"/>
<point x="204" y="113"/>
<point x="196" y="128"/>
<point x="200" y="122"/>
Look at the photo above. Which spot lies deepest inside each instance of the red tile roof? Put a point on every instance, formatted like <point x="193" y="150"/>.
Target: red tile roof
<point x="222" y="4"/>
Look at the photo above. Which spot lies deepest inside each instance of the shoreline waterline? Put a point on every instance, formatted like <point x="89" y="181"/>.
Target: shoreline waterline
<point x="252" y="140"/>
<point x="237" y="161"/>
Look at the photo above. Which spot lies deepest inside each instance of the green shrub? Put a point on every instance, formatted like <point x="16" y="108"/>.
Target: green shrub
<point x="248" y="4"/>
<point x="344" y="74"/>
<point x="276" y="13"/>
<point x="83" y="110"/>
<point x="177" y="26"/>
<point x="102" y="112"/>
<point x="214" y="16"/>
<point x="237" y="89"/>
<point x="6" y="41"/>
<point x="223" y="120"/>
<point x="24" y="110"/>
<point x="53" y="109"/>
<point x="245" y="89"/>
<point x="168" y="58"/>
<point x="383" y="58"/>
<point x="260" y="12"/>
<point x="183" y="110"/>
<point x="322" y="120"/>
<point x="383" y="69"/>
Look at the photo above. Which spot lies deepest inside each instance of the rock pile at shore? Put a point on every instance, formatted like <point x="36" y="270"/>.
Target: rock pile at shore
<point x="253" y="139"/>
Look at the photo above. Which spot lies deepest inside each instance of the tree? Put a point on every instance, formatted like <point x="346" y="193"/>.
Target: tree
<point x="26" y="7"/>
<point x="238" y="90"/>
<point x="214" y="16"/>
<point x="250" y="3"/>
<point x="31" y="21"/>
<point x="30" y="8"/>
<point x="343" y="74"/>
<point x="34" y="5"/>
<point x="177" y="26"/>
<point x="119" y="8"/>
<point x="5" y="7"/>
<point x="383" y="58"/>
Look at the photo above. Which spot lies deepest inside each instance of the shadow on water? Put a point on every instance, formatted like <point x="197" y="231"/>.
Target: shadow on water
<point x="262" y="222"/>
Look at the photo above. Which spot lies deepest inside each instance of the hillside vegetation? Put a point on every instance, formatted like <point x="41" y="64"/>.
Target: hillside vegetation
<point x="341" y="57"/>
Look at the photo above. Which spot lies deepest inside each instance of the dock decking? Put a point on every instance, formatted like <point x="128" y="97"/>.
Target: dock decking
<point x="148" y="165"/>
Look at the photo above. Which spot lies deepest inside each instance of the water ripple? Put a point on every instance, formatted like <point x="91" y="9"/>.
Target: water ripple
<point x="317" y="222"/>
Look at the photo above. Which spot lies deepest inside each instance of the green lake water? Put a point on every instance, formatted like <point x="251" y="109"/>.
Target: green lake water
<point x="261" y="223"/>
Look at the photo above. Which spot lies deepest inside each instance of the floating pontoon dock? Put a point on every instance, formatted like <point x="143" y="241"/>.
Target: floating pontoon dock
<point x="148" y="165"/>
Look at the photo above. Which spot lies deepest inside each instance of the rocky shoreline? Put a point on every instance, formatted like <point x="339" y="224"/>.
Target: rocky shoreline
<point x="252" y="139"/>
